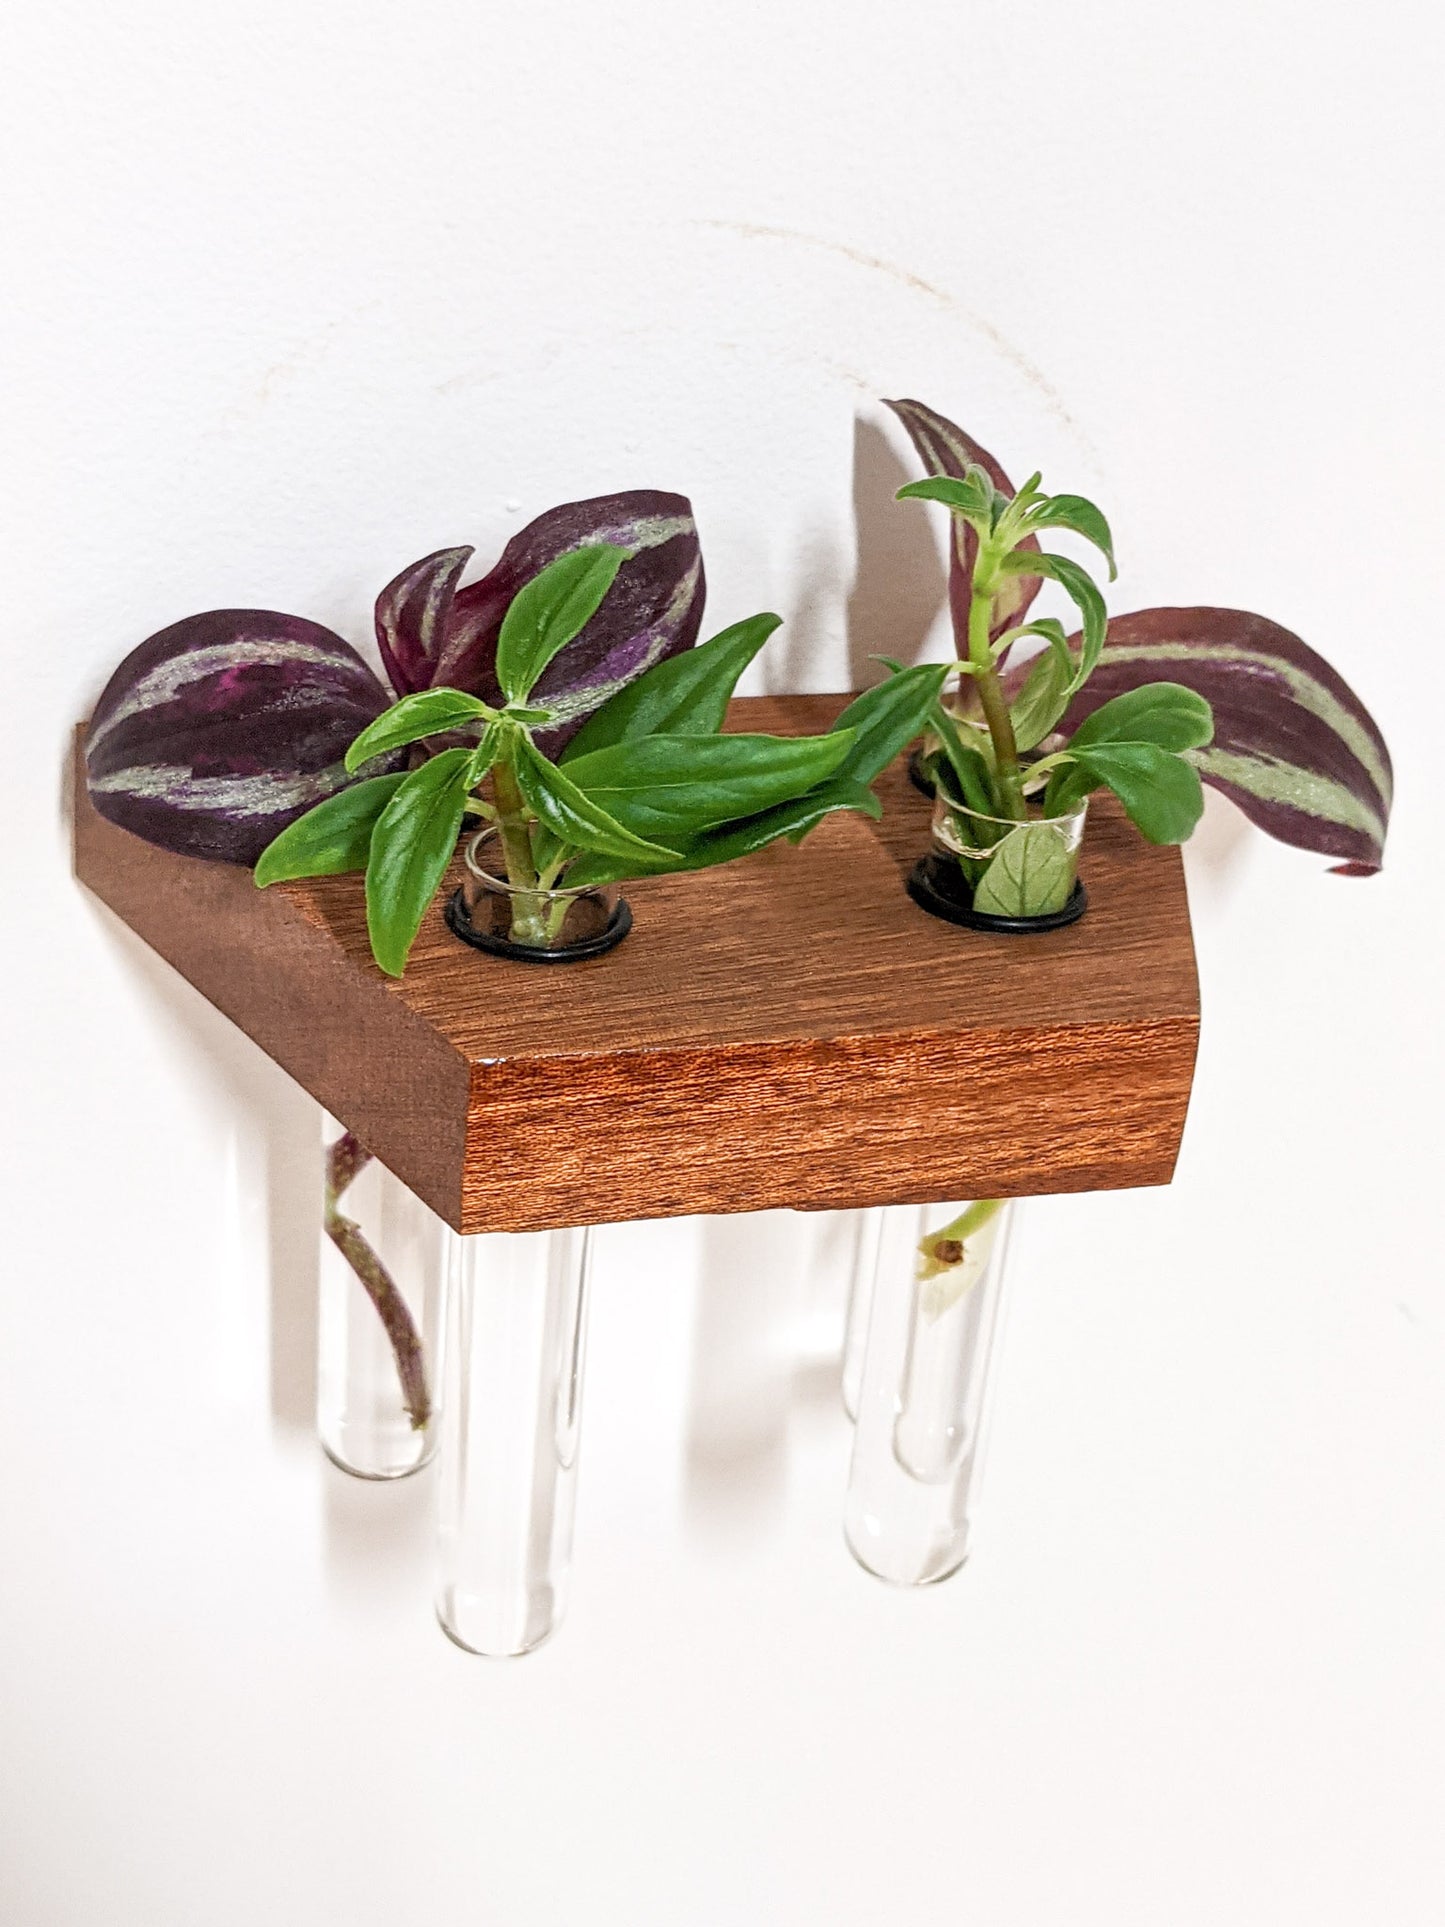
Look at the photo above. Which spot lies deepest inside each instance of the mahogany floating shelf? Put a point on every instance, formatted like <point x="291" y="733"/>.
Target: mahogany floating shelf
<point x="790" y="1030"/>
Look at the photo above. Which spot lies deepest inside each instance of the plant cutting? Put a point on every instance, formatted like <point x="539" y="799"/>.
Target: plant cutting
<point x="1292" y="744"/>
<point x="647" y="785"/>
<point x="1147" y="704"/>
<point x="920" y="1393"/>
<point x="1008" y="818"/>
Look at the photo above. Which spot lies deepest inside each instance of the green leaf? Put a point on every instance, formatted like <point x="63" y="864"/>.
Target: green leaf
<point x="572" y="815"/>
<point x="969" y="765"/>
<point x="729" y="842"/>
<point x="547" y="612"/>
<point x="1166" y="713"/>
<point x="430" y="712"/>
<point x="1049" y="628"/>
<point x="411" y="847"/>
<point x="972" y="498"/>
<point x="671" y="787"/>
<point x="1081" y="589"/>
<point x="838" y="793"/>
<point x="886" y="719"/>
<point x="1160" y="791"/>
<point x="686" y="695"/>
<point x="1030" y="874"/>
<point x="1067" y="787"/>
<point x="1077" y="513"/>
<point x="1048" y="687"/>
<point x="331" y="839"/>
<point x="1029" y="492"/>
<point x="484" y="755"/>
<point x="791" y="819"/>
<point x="1043" y="698"/>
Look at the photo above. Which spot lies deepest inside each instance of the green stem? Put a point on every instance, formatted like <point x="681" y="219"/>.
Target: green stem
<point x="529" y="923"/>
<point x="946" y="1248"/>
<point x="512" y="821"/>
<point x="990" y="692"/>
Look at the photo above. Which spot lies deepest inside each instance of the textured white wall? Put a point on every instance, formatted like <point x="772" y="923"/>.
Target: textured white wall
<point x="297" y="292"/>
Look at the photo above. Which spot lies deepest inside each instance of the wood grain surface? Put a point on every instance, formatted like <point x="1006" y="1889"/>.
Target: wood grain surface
<point x="790" y="1030"/>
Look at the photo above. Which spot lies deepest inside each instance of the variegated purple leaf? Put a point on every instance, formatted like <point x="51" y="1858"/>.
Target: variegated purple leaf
<point x="219" y="731"/>
<point x="946" y="450"/>
<point x="411" y="615"/>
<point x="1293" y="744"/>
<point x="653" y="610"/>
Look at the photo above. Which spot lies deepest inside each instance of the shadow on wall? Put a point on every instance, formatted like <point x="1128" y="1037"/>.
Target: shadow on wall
<point x="377" y="1535"/>
<point x="810" y="631"/>
<point x="379" y="1546"/>
<point x="767" y="1343"/>
<point x="900" y="587"/>
<point x="272" y="1164"/>
<point x="293" y="1194"/>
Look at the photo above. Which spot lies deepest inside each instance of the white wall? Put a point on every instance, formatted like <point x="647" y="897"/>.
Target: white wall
<point x="297" y="292"/>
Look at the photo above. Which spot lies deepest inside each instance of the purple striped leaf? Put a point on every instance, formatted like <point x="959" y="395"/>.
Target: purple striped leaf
<point x="653" y="610"/>
<point x="1293" y="744"/>
<point x="218" y="732"/>
<point x="945" y="449"/>
<point x="411" y="614"/>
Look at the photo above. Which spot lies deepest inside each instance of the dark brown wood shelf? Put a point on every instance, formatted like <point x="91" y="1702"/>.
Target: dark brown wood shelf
<point x="790" y="1030"/>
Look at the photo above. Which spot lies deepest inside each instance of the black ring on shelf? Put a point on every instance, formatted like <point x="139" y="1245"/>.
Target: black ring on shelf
<point x="460" y="925"/>
<point x="917" y="775"/>
<point x="937" y="887"/>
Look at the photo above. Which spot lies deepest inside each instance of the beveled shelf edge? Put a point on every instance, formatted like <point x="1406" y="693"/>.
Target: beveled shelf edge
<point x="1097" y="1108"/>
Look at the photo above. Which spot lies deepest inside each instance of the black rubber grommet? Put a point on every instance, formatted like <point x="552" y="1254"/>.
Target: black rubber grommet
<point x="938" y="888"/>
<point x="917" y="775"/>
<point x="618" y="926"/>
